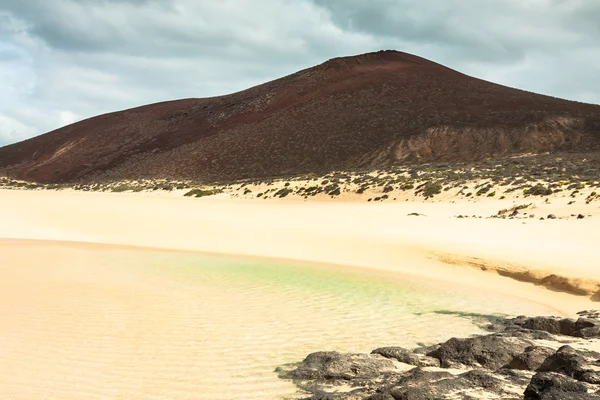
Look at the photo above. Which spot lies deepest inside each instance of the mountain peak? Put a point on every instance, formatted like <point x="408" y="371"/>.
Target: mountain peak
<point x="377" y="57"/>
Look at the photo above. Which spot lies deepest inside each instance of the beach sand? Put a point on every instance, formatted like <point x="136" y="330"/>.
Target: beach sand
<point x="134" y="295"/>
<point x="381" y="236"/>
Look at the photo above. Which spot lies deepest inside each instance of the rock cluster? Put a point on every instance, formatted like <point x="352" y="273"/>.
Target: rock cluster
<point x="522" y="358"/>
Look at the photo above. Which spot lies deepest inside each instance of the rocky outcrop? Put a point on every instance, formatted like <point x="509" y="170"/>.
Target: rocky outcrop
<point x="407" y="356"/>
<point x="331" y="365"/>
<point x="419" y="384"/>
<point x="551" y="386"/>
<point x="582" y="327"/>
<point x="491" y="352"/>
<point x="531" y="358"/>
<point x="522" y="358"/>
<point x="573" y="363"/>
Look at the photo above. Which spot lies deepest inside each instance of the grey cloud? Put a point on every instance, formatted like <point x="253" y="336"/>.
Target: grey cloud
<point x="83" y="25"/>
<point x="9" y="54"/>
<point x="505" y="30"/>
<point x="412" y="22"/>
<point x="67" y="59"/>
<point x="166" y="28"/>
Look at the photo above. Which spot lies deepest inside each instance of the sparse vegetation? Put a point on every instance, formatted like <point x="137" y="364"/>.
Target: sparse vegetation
<point x="202" y="192"/>
<point x="484" y="189"/>
<point x="514" y="209"/>
<point x="125" y="187"/>
<point x="431" y="189"/>
<point x="532" y="176"/>
<point x="282" y="192"/>
<point x="538" y="190"/>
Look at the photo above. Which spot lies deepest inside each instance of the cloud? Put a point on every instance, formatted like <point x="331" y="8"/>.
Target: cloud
<point x="85" y="57"/>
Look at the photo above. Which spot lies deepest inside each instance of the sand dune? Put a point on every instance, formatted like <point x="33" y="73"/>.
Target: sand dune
<point x="380" y="236"/>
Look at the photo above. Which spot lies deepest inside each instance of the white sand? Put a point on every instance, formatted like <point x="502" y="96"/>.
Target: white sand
<point x="369" y="235"/>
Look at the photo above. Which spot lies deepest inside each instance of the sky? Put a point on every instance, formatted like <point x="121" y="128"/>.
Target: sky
<point x="65" y="60"/>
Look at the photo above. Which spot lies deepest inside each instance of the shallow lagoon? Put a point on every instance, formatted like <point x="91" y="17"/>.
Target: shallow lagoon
<point x="111" y="323"/>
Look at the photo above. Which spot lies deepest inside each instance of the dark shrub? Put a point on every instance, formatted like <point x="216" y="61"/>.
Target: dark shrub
<point x="431" y="189"/>
<point x="202" y="192"/>
<point x="539" y="190"/>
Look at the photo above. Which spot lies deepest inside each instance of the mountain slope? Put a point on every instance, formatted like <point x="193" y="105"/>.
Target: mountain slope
<point x="370" y="110"/>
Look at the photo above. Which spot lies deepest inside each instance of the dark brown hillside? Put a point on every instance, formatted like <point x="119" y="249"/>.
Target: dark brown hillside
<point x="370" y="110"/>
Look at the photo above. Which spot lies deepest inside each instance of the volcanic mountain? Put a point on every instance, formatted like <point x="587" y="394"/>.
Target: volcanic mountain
<point x="366" y="111"/>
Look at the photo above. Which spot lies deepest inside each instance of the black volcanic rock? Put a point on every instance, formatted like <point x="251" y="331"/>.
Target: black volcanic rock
<point x="550" y="386"/>
<point x="531" y="359"/>
<point x="582" y="327"/>
<point x="577" y="364"/>
<point x="562" y="326"/>
<point x="424" y="385"/>
<point x="491" y="351"/>
<point x="512" y="363"/>
<point x="334" y="365"/>
<point x="407" y="356"/>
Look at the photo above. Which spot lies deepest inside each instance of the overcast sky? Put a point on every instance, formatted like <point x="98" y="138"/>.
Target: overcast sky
<point x="65" y="60"/>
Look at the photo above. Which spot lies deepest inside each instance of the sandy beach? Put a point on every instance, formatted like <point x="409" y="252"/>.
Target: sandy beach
<point x="382" y="236"/>
<point x="161" y="296"/>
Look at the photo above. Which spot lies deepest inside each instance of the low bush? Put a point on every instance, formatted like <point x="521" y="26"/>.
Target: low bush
<point x="124" y="187"/>
<point x="282" y="192"/>
<point x="202" y="192"/>
<point x="538" y="190"/>
<point x="431" y="189"/>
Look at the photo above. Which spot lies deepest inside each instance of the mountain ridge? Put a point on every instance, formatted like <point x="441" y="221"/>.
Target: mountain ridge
<point x="367" y="111"/>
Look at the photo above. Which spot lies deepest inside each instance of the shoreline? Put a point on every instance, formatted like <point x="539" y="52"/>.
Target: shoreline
<point x="286" y="261"/>
<point x="321" y="233"/>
